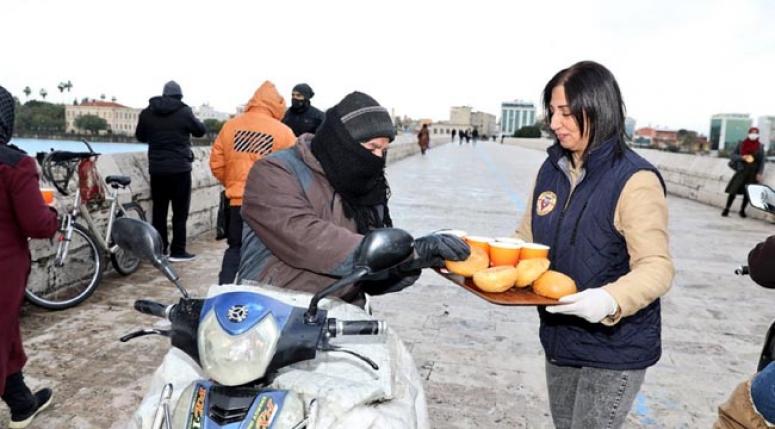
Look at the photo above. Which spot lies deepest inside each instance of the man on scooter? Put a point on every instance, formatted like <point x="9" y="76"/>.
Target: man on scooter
<point x="752" y="403"/>
<point x="308" y="207"/>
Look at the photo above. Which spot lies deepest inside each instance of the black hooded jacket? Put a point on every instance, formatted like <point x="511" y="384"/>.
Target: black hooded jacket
<point x="166" y="125"/>
<point x="306" y="120"/>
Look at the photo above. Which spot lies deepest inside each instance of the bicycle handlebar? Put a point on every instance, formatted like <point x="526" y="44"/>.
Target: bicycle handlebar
<point x="355" y="327"/>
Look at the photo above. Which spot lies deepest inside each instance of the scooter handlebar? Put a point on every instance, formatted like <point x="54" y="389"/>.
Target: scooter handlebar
<point x="355" y="327"/>
<point x="152" y="308"/>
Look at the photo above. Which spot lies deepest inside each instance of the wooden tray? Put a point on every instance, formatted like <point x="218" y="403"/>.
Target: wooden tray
<point x="513" y="296"/>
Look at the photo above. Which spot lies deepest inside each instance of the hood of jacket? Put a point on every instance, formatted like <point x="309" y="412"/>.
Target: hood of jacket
<point x="267" y="100"/>
<point x="164" y="106"/>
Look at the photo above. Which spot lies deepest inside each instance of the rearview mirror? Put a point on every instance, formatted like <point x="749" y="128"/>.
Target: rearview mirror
<point x="384" y="248"/>
<point x="761" y="197"/>
<point x="142" y="239"/>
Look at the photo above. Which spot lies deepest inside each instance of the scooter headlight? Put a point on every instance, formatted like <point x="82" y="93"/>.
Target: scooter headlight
<point x="233" y="358"/>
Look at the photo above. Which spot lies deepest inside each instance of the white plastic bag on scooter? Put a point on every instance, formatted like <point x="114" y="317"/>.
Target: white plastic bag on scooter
<point x="338" y="390"/>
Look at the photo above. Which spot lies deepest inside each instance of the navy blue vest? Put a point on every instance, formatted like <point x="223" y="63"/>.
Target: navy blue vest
<point x="586" y="246"/>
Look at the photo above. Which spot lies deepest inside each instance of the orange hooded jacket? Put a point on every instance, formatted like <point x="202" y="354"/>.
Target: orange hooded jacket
<point x="249" y="137"/>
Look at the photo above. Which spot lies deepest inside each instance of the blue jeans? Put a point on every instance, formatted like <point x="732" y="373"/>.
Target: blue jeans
<point x="763" y="392"/>
<point x="591" y="397"/>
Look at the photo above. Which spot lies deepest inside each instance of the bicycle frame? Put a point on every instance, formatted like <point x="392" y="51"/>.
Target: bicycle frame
<point x="81" y="210"/>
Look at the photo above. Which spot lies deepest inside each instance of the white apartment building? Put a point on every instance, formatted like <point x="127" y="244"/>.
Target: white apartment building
<point x="515" y="115"/>
<point x="206" y="111"/>
<point x="121" y="119"/>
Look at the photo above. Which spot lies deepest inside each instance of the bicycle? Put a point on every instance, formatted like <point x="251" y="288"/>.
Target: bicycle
<point x="73" y="261"/>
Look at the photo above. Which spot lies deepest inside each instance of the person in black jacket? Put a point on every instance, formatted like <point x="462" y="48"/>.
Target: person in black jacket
<point x="167" y="125"/>
<point x="761" y="263"/>
<point x="302" y="117"/>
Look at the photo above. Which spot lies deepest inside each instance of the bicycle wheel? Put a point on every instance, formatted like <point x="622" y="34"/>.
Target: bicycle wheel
<point x="57" y="288"/>
<point x="125" y="262"/>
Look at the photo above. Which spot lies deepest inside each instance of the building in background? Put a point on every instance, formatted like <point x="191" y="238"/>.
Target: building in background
<point x="727" y="130"/>
<point x="766" y="125"/>
<point x="515" y="115"/>
<point x="683" y="140"/>
<point x="484" y="122"/>
<point x="462" y="118"/>
<point x="460" y="115"/>
<point x="121" y="119"/>
<point x="206" y="111"/>
<point x="629" y="127"/>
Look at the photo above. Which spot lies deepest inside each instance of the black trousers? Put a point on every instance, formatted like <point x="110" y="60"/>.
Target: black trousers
<point x="175" y="189"/>
<point x="231" y="257"/>
<point x="743" y="205"/>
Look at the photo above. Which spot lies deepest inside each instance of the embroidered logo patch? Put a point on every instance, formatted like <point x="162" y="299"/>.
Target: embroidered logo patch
<point x="546" y="202"/>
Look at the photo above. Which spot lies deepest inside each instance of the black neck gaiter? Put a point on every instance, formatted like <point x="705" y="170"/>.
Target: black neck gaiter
<point x="355" y="173"/>
<point x="299" y="106"/>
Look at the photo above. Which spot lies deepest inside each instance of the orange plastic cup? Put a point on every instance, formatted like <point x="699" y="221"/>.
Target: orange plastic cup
<point x="48" y="195"/>
<point x="504" y="253"/>
<point x="479" y="241"/>
<point x="534" y="250"/>
<point x="511" y="240"/>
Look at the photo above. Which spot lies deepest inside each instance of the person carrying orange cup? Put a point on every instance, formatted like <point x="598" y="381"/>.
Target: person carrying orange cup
<point x="504" y="253"/>
<point x="479" y="241"/>
<point x="48" y="195"/>
<point x="534" y="250"/>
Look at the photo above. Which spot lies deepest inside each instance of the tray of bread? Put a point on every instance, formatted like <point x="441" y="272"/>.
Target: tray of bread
<point x="508" y="271"/>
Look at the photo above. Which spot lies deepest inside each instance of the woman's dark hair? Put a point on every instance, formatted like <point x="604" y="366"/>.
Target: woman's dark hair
<point x="592" y="92"/>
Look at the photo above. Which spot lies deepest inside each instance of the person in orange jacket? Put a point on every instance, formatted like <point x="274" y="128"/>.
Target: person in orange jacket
<point x="242" y="141"/>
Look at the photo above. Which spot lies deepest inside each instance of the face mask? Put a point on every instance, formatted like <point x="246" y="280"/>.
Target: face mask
<point x="753" y="136"/>
<point x="298" y="104"/>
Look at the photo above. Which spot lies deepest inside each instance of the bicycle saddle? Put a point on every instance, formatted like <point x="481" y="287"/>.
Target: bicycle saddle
<point x="118" y="180"/>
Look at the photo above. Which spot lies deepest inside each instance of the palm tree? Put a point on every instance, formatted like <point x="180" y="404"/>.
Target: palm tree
<point x="61" y="87"/>
<point x="27" y="91"/>
<point x="68" y="87"/>
<point x="43" y="93"/>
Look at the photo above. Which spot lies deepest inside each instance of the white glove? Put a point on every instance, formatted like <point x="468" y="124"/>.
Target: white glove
<point x="593" y="305"/>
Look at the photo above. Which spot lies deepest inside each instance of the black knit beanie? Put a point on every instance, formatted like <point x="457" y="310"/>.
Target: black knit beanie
<point x="172" y="89"/>
<point x="305" y="90"/>
<point x="364" y="118"/>
<point x="7" y="106"/>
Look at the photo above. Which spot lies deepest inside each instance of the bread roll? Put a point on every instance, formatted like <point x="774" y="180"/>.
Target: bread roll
<point x="555" y="285"/>
<point x="528" y="270"/>
<point x="496" y="279"/>
<point x="478" y="261"/>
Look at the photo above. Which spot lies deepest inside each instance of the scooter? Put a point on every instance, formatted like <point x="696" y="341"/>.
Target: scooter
<point x="252" y="359"/>
<point x="762" y="197"/>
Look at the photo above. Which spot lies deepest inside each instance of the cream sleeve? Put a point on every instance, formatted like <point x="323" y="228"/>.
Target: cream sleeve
<point x="525" y="229"/>
<point x="641" y="218"/>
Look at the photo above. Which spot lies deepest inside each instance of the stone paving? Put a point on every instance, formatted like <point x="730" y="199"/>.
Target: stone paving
<point x="482" y="364"/>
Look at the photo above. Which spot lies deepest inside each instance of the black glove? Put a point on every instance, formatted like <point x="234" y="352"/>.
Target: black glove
<point x="396" y="281"/>
<point x="432" y="250"/>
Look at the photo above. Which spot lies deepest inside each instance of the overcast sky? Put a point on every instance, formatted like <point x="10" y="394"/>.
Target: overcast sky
<point x="677" y="61"/>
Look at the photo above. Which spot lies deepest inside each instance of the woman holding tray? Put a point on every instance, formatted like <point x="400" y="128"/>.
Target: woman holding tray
<point x="603" y="211"/>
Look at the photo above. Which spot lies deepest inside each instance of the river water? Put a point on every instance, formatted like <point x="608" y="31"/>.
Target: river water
<point x="33" y="146"/>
